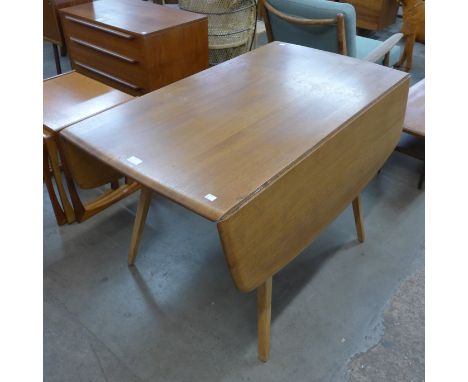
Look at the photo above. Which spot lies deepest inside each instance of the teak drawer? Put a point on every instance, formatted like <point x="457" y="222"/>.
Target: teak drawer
<point x="131" y="71"/>
<point x="123" y="43"/>
<point x="117" y="82"/>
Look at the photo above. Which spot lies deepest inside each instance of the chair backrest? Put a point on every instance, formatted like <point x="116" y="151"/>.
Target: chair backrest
<point x="285" y="21"/>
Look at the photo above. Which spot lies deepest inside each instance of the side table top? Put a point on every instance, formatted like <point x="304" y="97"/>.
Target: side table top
<point x="214" y="140"/>
<point x="415" y="112"/>
<point x="72" y="97"/>
<point x="139" y="17"/>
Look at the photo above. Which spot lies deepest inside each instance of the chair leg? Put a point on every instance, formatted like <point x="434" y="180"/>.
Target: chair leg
<point x="57" y="59"/>
<point x="140" y="218"/>
<point x="264" y="319"/>
<point x="357" y="210"/>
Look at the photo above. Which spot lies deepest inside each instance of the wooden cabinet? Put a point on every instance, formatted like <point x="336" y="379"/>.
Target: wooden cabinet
<point x="52" y="30"/>
<point x="135" y="46"/>
<point x="51" y="25"/>
<point x="374" y="14"/>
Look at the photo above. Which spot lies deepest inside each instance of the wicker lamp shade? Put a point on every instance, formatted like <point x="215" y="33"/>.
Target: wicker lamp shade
<point x="231" y="25"/>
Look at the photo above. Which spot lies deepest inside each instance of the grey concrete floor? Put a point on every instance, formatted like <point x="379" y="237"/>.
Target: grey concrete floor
<point x="176" y="315"/>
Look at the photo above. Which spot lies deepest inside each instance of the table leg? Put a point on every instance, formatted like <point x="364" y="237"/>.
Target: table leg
<point x="421" y="179"/>
<point x="264" y="319"/>
<point x="57" y="59"/>
<point x="357" y="210"/>
<point x="140" y="218"/>
<point x="115" y="184"/>
<point x="54" y="161"/>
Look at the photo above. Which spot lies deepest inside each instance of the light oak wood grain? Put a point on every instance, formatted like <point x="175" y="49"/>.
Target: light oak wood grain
<point x="230" y="136"/>
<point x="140" y="218"/>
<point x="264" y="319"/>
<point x="358" y="219"/>
<point x="273" y="154"/>
<point x="275" y="226"/>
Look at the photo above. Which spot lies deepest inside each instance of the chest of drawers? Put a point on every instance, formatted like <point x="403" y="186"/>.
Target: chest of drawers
<point x="374" y="14"/>
<point x="52" y="30"/>
<point x="135" y="46"/>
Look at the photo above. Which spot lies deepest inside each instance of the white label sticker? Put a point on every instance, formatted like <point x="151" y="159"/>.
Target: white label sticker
<point x="210" y="197"/>
<point x="134" y="160"/>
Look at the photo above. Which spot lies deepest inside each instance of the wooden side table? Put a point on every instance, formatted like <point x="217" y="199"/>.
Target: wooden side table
<point x="135" y="46"/>
<point x="68" y="99"/>
<point x="52" y="28"/>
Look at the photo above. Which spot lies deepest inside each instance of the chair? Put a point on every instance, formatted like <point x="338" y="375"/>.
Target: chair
<point x="325" y="25"/>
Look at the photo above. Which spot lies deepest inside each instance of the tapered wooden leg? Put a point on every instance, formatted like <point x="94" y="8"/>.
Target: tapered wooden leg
<point x="264" y="319"/>
<point x="54" y="161"/>
<point x="140" y="218"/>
<point x="421" y="179"/>
<point x="59" y="214"/>
<point x="57" y="59"/>
<point x="115" y="184"/>
<point x="357" y="210"/>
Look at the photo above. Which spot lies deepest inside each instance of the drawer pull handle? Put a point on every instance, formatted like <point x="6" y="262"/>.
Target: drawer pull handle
<point x="108" y="76"/>
<point x="102" y="50"/>
<point x="101" y="28"/>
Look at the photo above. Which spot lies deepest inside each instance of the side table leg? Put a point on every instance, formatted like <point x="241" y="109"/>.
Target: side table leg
<point x="264" y="319"/>
<point x="58" y="212"/>
<point x="57" y="59"/>
<point x="421" y="179"/>
<point x="357" y="210"/>
<point x="140" y="218"/>
<point x="54" y="161"/>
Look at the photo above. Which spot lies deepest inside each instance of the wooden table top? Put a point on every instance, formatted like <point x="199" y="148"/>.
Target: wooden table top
<point x="214" y="140"/>
<point x="72" y="97"/>
<point x="139" y="17"/>
<point x="415" y="112"/>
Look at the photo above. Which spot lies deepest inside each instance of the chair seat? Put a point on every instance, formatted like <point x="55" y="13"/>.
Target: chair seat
<point x="366" y="45"/>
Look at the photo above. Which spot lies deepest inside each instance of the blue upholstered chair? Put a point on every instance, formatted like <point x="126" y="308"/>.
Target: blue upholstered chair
<point x="325" y="25"/>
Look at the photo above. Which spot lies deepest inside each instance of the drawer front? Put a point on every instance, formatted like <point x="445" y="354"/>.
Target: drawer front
<point x="122" y="43"/>
<point x="108" y="79"/>
<point x="107" y="61"/>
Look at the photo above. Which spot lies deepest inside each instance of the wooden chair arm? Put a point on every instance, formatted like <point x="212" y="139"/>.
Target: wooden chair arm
<point x="379" y="52"/>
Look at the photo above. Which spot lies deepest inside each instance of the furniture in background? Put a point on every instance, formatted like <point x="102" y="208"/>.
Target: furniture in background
<point x="135" y="46"/>
<point x="374" y="14"/>
<point x="231" y="26"/>
<point x="70" y="98"/>
<point x="414" y="23"/>
<point x="52" y="29"/>
<point x="325" y="25"/>
<point x="312" y="133"/>
<point x="412" y="140"/>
